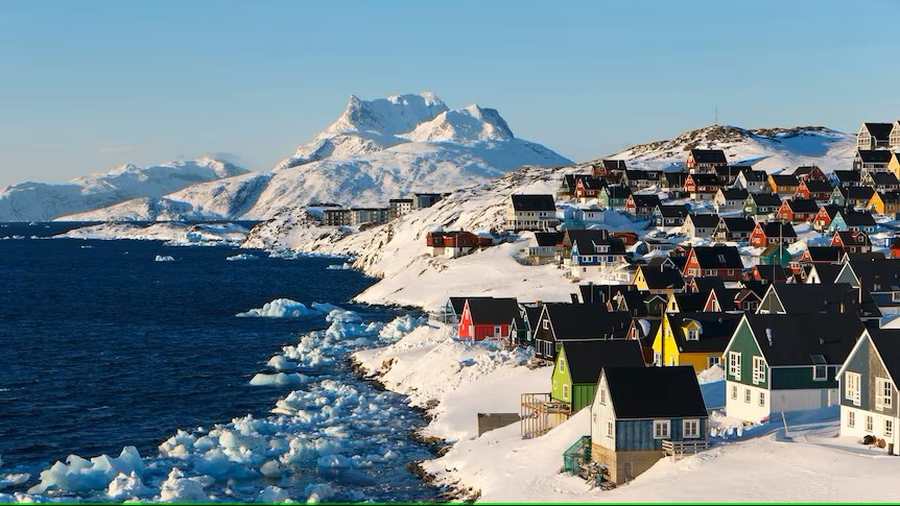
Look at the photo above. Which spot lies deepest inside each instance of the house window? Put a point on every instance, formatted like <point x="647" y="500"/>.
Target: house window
<point x="714" y="360"/>
<point x="609" y="429"/>
<point x="657" y="359"/>
<point x="762" y="399"/>
<point x="734" y="392"/>
<point x="888" y="427"/>
<point x="851" y="388"/>
<point x="546" y="324"/>
<point x="603" y="396"/>
<point x="883" y="399"/>
<point x="565" y="392"/>
<point x="759" y="370"/>
<point x="851" y="419"/>
<point x="820" y="373"/>
<point x="746" y="396"/>
<point x="660" y="429"/>
<point x="562" y="365"/>
<point x="869" y="424"/>
<point x="734" y="365"/>
<point x="691" y="428"/>
<point x="693" y="335"/>
<point x="497" y="331"/>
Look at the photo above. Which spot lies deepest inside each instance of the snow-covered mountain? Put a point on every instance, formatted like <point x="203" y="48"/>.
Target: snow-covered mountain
<point x="31" y="201"/>
<point x="769" y="149"/>
<point x="375" y="150"/>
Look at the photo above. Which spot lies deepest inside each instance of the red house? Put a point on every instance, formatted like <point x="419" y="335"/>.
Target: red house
<point x="824" y="216"/>
<point x="798" y="210"/>
<point x="588" y="187"/>
<point x="720" y="261"/>
<point x="895" y="247"/>
<point x="702" y="186"/>
<point x="487" y="318"/>
<point x="852" y="241"/>
<point x="815" y="189"/>
<point x="774" y="232"/>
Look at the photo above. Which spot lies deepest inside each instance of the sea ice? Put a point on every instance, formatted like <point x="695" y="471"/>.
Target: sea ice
<point x="282" y="308"/>
<point x="177" y="488"/>
<point x="240" y="257"/>
<point x="164" y="258"/>
<point x="125" y="486"/>
<point x="278" y="379"/>
<point x="13" y="479"/>
<point x="78" y="474"/>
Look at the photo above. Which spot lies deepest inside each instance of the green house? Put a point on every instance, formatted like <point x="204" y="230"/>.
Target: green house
<point x="578" y="365"/>
<point x="777" y="363"/>
<point x="613" y="196"/>
<point x="775" y="255"/>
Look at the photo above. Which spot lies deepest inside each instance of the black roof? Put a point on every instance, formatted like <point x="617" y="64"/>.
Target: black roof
<point x="883" y="178"/>
<point x="610" y="164"/>
<point x="532" y="314"/>
<point x="855" y="218"/>
<point x="718" y="257"/>
<point x="704" y="284"/>
<point x="853" y="238"/>
<point x="548" y="238"/>
<point x="827" y="272"/>
<point x="705" y="179"/>
<point x="618" y="191"/>
<point x="663" y="277"/>
<point x="884" y="272"/>
<point x="802" y="298"/>
<point x="755" y="176"/>
<point x="799" y="205"/>
<point x="858" y="192"/>
<point x="486" y="311"/>
<point x="766" y="199"/>
<point x="774" y="229"/>
<point x="587" y="358"/>
<point x="874" y="155"/>
<point x="652" y="175"/>
<point x="891" y="196"/>
<point x="738" y="223"/>
<point x="716" y="330"/>
<point x="586" y="241"/>
<point x="459" y="303"/>
<point x="798" y="339"/>
<point x="847" y="176"/>
<point x="675" y="178"/>
<point x="691" y="302"/>
<point x="645" y="200"/>
<point x="597" y="294"/>
<point x="818" y="186"/>
<point x="785" y="179"/>
<point x="825" y="253"/>
<point x="704" y="220"/>
<point x="887" y="343"/>
<point x="585" y="321"/>
<point x="709" y="156"/>
<point x="533" y="202"/>
<point x="655" y="392"/>
<point x="673" y="210"/>
<point x="734" y="193"/>
<point x="805" y="169"/>
<point x="881" y="131"/>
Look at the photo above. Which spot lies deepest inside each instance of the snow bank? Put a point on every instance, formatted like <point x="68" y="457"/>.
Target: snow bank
<point x="287" y="308"/>
<point x="164" y="258"/>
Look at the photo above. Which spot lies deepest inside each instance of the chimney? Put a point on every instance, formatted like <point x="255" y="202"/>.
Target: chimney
<point x="770" y="338"/>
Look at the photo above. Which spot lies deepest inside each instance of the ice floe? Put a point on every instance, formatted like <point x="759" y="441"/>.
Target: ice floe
<point x="287" y="308"/>
<point x="241" y="257"/>
<point x="164" y="258"/>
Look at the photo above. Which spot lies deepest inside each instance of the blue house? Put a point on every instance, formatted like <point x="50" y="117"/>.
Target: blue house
<point x="848" y="219"/>
<point x="641" y="414"/>
<point x="593" y="250"/>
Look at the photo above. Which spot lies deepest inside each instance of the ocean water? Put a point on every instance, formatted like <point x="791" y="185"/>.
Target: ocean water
<point x="102" y="347"/>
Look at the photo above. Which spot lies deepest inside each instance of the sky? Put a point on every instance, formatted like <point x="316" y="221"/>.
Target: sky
<point x="86" y="86"/>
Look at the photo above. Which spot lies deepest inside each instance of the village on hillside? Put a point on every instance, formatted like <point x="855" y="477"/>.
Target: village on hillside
<point x="785" y="285"/>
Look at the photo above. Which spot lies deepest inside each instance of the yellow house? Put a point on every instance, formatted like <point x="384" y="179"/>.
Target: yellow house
<point x="885" y="203"/>
<point x="694" y="339"/>
<point x="894" y="164"/>
<point x="659" y="280"/>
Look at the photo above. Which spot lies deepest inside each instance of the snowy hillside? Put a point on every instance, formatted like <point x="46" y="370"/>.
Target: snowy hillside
<point x="42" y="201"/>
<point x="395" y="251"/>
<point x="769" y="149"/>
<point x="376" y="150"/>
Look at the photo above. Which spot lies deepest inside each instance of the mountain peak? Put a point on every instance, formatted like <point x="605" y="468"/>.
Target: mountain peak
<point x="386" y="116"/>
<point x="467" y="125"/>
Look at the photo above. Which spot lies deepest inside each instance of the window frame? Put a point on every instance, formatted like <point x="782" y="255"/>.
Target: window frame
<point x="851" y="419"/>
<point x="883" y="402"/>
<point x="815" y="370"/>
<point x="734" y="364"/>
<point x="657" y="424"/>
<point x="852" y="391"/>
<point x="759" y="370"/>
<point x="694" y="423"/>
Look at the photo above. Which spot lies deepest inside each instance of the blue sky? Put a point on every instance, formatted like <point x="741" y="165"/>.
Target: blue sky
<point x="88" y="85"/>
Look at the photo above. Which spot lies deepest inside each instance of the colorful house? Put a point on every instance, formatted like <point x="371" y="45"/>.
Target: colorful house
<point x="785" y="185"/>
<point x="870" y="401"/>
<point x="578" y="365"/>
<point x="560" y="322"/>
<point x="773" y="232"/>
<point x="885" y="203"/>
<point x="798" y="210"/>
<point x="852" y="241"/>
<point x="784" y="363"/>
<point x="613" y="196"/>
<point x="720" y="261"/>
<point x="698" y="226"/>
<point x="762" y="204"/>
<point x="641" y="413"/>
<point x="705" y="160"/>
<point x="694" y="339"/>
<point x="487" y="318"/>
<point x="701" y="186"/>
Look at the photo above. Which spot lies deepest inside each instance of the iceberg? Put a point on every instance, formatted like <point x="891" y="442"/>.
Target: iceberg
<point x="79" y="475"/>
<point x="287" y="308"/>
<point x="241" y="257"/>
<point x="164" y="258"/>
<point x="278" y="379"/>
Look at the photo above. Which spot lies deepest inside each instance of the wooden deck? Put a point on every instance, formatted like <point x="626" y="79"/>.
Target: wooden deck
<point x="678" y="449"/>
<point x="539" y="413"/>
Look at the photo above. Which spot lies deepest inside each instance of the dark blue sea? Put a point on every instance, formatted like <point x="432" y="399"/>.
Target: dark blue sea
<point x="102" y="347"/>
